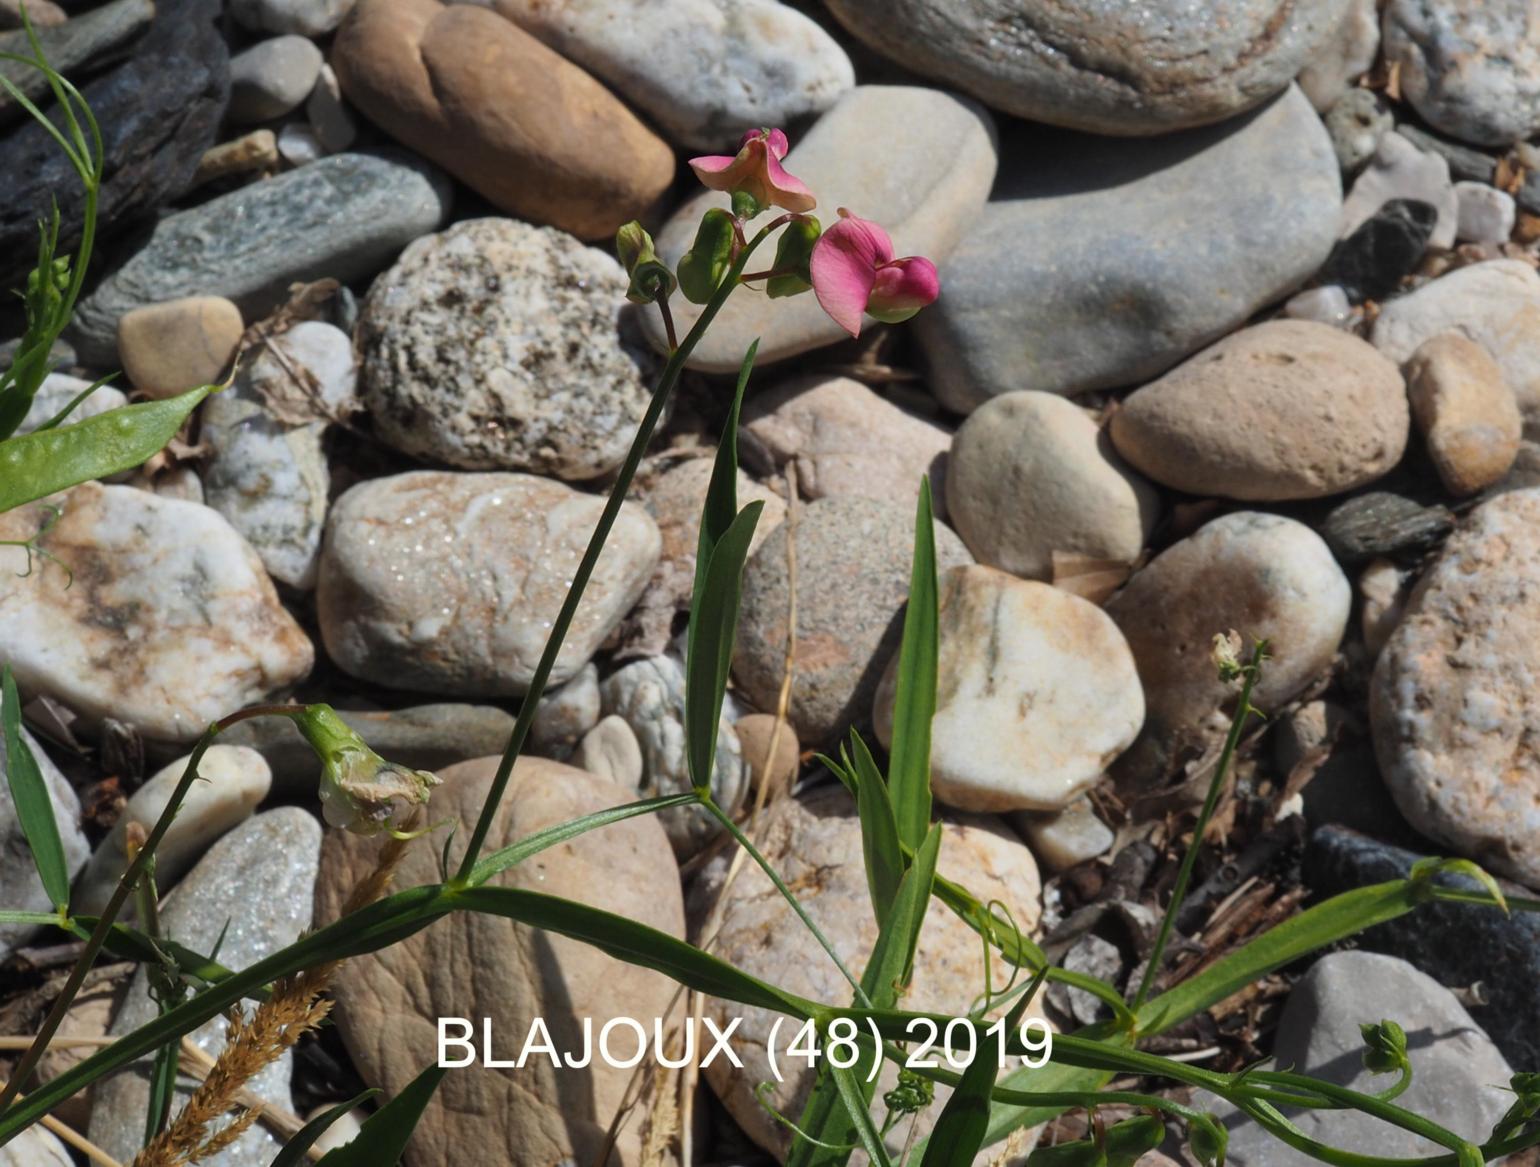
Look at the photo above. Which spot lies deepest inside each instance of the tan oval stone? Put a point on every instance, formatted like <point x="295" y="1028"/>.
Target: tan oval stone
<point x="1465" y="410"/>
<point x="1030" y="475"/>
<point x="1265" y="577"/>
<point x="481" y="966"/>
<point x="1283" y="410"/>
<point x="171" y="347"/>
<point x="755" y="733"/>
<point x="814" y="843"/>
<point x="1036" y="694"/>
<point x="529" y="131"/>
<point x="1454" y="704"/>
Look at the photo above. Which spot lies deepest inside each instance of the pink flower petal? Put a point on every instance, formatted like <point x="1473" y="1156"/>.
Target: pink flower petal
<point x="902" y="288"/>
<point x="844" y="268"/>
<point x="778" y="143"/>
<point x="789" y="191"/>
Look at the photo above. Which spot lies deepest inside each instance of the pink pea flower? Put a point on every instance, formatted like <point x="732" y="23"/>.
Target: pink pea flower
<point x="756" y="170"/>
<point x="854" y="271"/>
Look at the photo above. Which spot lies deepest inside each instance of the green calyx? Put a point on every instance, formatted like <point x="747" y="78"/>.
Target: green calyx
<point x="702" y="267"/>
<point x="793" y="253"/>
<point x="650" y="278"/>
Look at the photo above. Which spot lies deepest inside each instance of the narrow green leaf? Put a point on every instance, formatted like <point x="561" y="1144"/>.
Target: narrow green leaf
<point x="853" y="1092"/>
<point x="721" y="505"/>
<point x="914" y="704"/>
<point x="879" y="831"/>
<point x="29" y="793"/>
<point x="964" y="1121"/>
<point x="35" y="465"/>
<point x="383" y="1137"/>
<point x="293" y="1153"/>
<point x="715" y="625"/>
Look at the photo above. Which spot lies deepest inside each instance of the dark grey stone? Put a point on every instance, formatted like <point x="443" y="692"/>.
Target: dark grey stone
<point x="72" y="48"/>
<point x="1102" y="261"/>
<point x="345" y="217"/>
<point x="1371" y="262"/>
<point x="1383" y="523"/>
<point x="1457" y="945"/>
<point x="159" y="111"/>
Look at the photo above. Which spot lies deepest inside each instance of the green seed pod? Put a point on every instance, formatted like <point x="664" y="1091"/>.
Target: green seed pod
<point x="702" y="267"/>
<point x="792" y="254"/>
<point x="1126" y="1141"/>
<point x="1084" y="1153"/>
<point x="1208" y="1140"/>
<point x="1384" y="1047"/>
<point x="650" y="278"/>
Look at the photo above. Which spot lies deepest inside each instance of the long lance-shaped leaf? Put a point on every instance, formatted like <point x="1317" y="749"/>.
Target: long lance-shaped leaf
<point x="964" y="1122"/>
<point x="880" y="847"/>
<point x="29" y="794"/>
<point x="828" y="1117"/>
<point x="35" y="465"/>
<point x="295" y="1150"/>
<point x="383" y="1137"/>
<point x="914" y="703"/>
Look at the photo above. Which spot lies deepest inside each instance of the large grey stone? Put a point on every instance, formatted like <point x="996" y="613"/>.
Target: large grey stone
<point x="345" y="217"/>
<point x="703" y="70"/>
<point x="1103" y="262"/>
<point x="917" y="161"/>
<point x="1457" y="1079"/>
<point x="255" y="889"/>
<point x="1103" y="65"/>
<point x="77" y="46"/>
<point x="20" y="888"/>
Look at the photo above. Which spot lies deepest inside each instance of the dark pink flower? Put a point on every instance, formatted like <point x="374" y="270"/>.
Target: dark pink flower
<point x="854" y="271"/>
<point x="756" y="170"/>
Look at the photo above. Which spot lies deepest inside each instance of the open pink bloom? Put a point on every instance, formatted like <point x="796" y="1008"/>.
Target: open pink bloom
<point x="756" y="169"/>
<point x="854" y="271"/>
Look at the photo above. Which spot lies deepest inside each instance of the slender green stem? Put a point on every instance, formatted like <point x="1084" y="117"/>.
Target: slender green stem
<point x="1250" y="673"/>
<point x="788" y="895"/>
<point x="655" y="409"/>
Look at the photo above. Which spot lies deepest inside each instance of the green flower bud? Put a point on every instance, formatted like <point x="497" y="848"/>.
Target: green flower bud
<point x="702" y="267"/>
<point x="745" y="205"/>
<point x="912" y="1094"/>
<point x="1083" y="1153"/>
<point x="650" y="278"/>
<point x="1208" y="1140"/>
<point x="360" y="791"/>
<point x="1384" y="1047"/>
<point x="792" y="253"/>
<point x="1132" y="1138"/>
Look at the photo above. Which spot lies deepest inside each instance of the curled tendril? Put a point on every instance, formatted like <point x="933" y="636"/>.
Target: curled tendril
<point x="33" y="547"/>
<point x="761" y="1096"/>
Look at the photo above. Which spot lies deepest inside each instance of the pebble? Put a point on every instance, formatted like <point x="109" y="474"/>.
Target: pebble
<point x="1346" y="786"/>
<point x="1283" y="410"/>
<point x="424" y="737"/>
<point x="1101" y="65"/>
<point x="1061" y="839"/>
<point x="566" y="712"/>
<point x="1381" y="522"/>
<point x="918" y="161"/>
<point x="814" y="843"/>
<point x="299" y="145"/>
<point x="702" y="70"/>
<point x="251" y="893"/>
<point x="330" y="118"/>
<point x="779" y="771"/>
<point x="342" y="1131"/>
<point x="72" y="48"/>
<point x="848" y="441"/>
<point x="1264" y="576"/>
<point x="530" y="132"/>
<point x="509" y="974"/>
<point x="611" y="751"/>
<point x="232" y="781"/>
<point x="272" y="78"/>
<point x="675" y="499"/>
<point x="1032" y="477"/>
<point x="1345" y="56"/>
<point x="1324" y="305"/>
<point x="1470" y="70"/>
<point x="649" y="695"/>
<point x="159" y="109"/>
<point x="171" y="622"/>
<point x="1086" y="222"/>
<point x="1465" y="411"/>
<point x="498" y="345"/>
<point x="1382" y="251"/>
<point x="1382" y="588"/>
<point x="177" y="345"/>
<point x="1486" y="214"/>
<point x="268" y="474"/>
<point x="1036" y="694"/>
<point x="853" y="564"/>
<point x="448" y="583"/>
<point x="19" y="881"/>
<point x="1453" y="702"/>
<point x="310" y="18"/>
<point x="1459" y="1074"/>
<point x="42" y="13"/>
<point x="1464" y="162"/>
<point x="1399" y="170"/>
<point x="1496" y="304"/>
<point x="35" y="1147"/>
<point x="58" y="390"/>
<point x="1459" y="945"/>
<point x="344" y="217"/>
<point x="1358" y="123"/>
<point x="252" y="153"/>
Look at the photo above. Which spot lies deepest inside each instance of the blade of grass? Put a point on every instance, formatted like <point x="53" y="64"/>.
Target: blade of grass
<point x="879" y="831"/>
<point x="29" y="794"/>
<point x="382" y="1139"/>
<point x="964" y="1120"/>
<point x="914" y="704"/>
<point x="294" y="1151"/>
